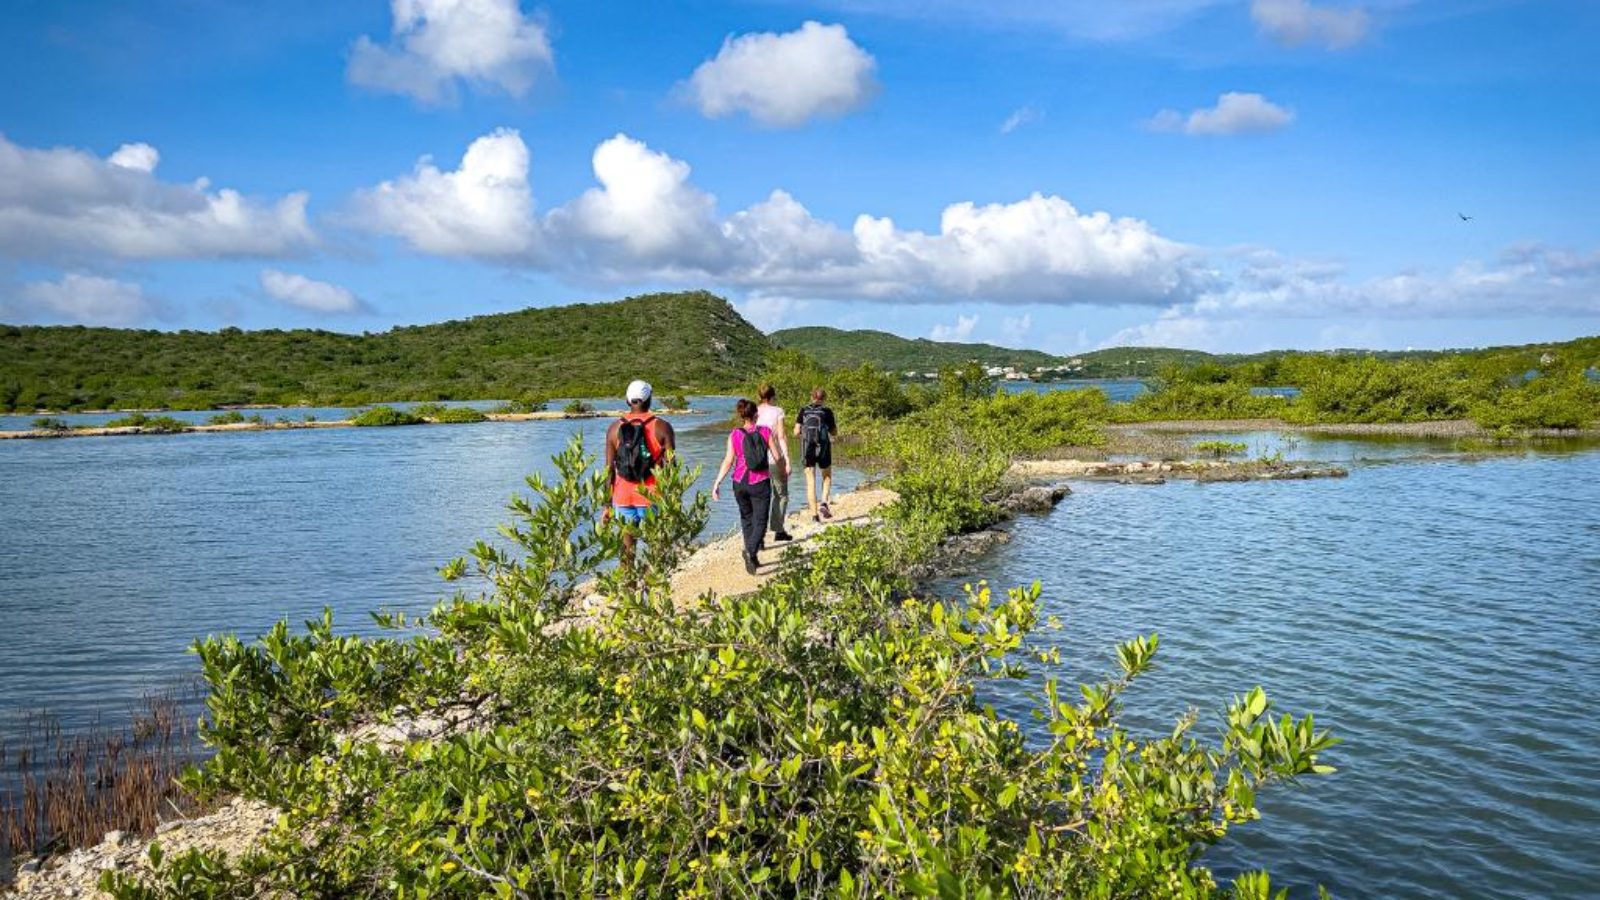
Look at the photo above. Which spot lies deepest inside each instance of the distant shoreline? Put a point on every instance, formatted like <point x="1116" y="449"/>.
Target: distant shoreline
<point x="127" y="430"/>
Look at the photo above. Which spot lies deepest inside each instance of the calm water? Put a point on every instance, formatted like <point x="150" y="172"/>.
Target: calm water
<point x="1440" y="616"/>
<point x="118" y="551"/>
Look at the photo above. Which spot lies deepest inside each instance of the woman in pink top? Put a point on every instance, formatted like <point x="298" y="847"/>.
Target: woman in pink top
<point x="752" y="455"/>
<point x="770" y="415"/>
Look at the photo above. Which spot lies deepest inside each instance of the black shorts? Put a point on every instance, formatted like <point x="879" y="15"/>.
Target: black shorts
<point x="818" y="456"/>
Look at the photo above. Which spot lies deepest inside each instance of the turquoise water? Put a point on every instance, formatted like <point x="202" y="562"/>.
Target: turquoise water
<point x="1441" y="616"/>
<point x="1439" y="613"/>
<point x="291" y="413"/>
<point x="118" y="551"/>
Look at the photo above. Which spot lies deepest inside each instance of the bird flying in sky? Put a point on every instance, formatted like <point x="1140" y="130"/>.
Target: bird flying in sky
<point x="1465" y="217"/>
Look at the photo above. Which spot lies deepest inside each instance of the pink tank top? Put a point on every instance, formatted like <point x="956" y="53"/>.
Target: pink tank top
<point x="740" y="473"/>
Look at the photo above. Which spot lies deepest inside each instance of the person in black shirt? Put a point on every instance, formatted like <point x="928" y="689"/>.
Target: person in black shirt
<point x="816" y="428"/>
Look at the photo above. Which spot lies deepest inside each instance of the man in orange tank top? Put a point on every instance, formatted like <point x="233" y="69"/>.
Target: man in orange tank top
<point x="629" y="500"/>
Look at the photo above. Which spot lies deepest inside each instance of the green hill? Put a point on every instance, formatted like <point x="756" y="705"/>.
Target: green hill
<point x="835" y="348"/>
<point x="679" y="342"/>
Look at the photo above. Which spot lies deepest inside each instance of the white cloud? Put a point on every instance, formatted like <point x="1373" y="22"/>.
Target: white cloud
<point x="304" y="293"/>
<point x="484" y="208"/>
<point x="769" y="313"/>
<point x="1017" y="328"/>
<point x="1235" y="113"/>
<point x="960" y="331"/>
<point x="82" y="299"/>
<point x="644" y="214"/>
<point x="67" y="203"/>
<point x="138" y="157"/>
<point x="1295" y="22"/>
<point x="439" y="45"/>
<point x="1025" y="115"/>
<point x="1526" y="281"/>
<point x="647" y="222"/>
<point x="785" y="80"/>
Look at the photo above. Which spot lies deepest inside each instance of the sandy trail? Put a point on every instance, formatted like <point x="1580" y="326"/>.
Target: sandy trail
<point x="718" y="567"/>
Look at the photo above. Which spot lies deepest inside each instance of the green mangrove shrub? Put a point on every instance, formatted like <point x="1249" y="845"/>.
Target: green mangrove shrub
<point x="50" y="423"/>
<point x="1220" y="449"/>
<point x="384" y="416"/>
<point x="158" y="424"/>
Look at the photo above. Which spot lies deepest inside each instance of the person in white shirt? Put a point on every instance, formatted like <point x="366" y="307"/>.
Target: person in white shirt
<point x="770" y="415"/>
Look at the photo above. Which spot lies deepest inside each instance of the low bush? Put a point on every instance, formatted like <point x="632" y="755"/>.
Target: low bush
<point x="230" y="417"/>
<point x="48" y="423"/>
<point x="160" y="424"/>
<point x="822" y="736"/>
<point x="674" y="401"/>
<point x="530" y="404"/>
<point x="449" y="415"/>
<point x="384" y="416"/>
<point x="1219" y="449"/>
<point x="1170" y="400"/>
<point x="1561" y="400"/>
<point x="577" y="407"/>
<point x="1029" y="422"/>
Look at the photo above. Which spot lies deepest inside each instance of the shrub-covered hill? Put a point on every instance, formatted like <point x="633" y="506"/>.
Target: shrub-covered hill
<point x="835" y="348"/>
<point x="679" y="342"/>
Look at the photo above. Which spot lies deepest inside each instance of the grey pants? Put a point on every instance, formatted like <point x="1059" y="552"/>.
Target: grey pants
<point x="780" y="502"/>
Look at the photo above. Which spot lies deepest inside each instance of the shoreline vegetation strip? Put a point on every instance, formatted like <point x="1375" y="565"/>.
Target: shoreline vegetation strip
<point x="819" y="734"/>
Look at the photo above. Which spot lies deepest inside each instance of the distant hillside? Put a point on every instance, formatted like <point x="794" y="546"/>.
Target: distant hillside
<point x="677" y="341"/>
<point x="835" y="348"/>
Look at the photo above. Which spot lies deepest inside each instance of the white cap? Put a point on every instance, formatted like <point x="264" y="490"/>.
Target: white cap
<point x="639" y="392"/>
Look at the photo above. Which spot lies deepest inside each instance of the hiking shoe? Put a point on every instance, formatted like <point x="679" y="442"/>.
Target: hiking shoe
<point x="750" y="563"/>
<point x="782" y="536"/>
<point x="826" y="512"/>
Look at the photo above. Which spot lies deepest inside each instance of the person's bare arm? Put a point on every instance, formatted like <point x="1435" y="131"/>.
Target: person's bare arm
<point x="611" y="444"/>
<point x="666" y="437"/>
<point x="783" y="447"/>
<point x="722" y="470"/>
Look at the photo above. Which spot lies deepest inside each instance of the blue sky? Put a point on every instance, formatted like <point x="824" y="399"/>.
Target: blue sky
<point x="1220" y="174"/>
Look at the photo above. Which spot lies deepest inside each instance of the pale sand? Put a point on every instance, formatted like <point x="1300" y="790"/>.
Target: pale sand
<point x="718" y="567"/>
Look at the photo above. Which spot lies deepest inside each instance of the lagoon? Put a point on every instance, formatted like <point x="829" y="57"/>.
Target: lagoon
<point x="1441" y="616"/>
<point x="1437" y="611"/>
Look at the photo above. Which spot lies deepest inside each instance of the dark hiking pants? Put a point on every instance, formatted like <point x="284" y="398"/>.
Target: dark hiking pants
<point x="754" y="501"/>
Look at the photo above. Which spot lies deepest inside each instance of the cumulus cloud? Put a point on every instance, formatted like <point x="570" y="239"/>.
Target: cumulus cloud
<point x="1234" y="113"/>
<point x="304" y="293"/>
<point x="645" y="213"/>
<point x="138" y="157"/>
<point x="1019" y="117"/>
<point x="67" y="203"/>
<point x="646" y="221"/>
<point x="1017" y="328"/>
<point x="784" y="80"/>
<point x="1525" y="280"/>
<point x="960" y="331"/>
<point x="1295" y="22"/>
<point x="83" y="300"/>
<point x="439" y="45"/>
<point x="483" y="208"/>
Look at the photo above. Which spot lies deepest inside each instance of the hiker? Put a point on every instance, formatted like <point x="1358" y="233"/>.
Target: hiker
<point x="635" y="445"/>
<point x="816" y="429"/>
<point x="752" y="453"/>
<point x="770" y="415"/>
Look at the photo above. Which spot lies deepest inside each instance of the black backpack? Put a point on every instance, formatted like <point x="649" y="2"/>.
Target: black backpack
<point x="814" y="427"/>
<point x="755" y="451"/>
<point x="633" y="461"/>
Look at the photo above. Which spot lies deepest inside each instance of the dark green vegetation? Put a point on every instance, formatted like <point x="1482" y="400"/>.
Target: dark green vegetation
<point x="690" y="341"/>
<point x="448" y="415"/>
<point x="837" y="349"/>
<point x="821" y="737"/>
<point x="160" y="424"/>
<point x="1507" y="389"/>
<point x="384" y="416"/>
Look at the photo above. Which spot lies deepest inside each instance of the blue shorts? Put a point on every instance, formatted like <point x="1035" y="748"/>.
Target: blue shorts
<point x="631" y="515"/>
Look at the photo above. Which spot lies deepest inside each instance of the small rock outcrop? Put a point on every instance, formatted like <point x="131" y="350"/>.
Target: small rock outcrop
<point x="1035" y="499"/>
